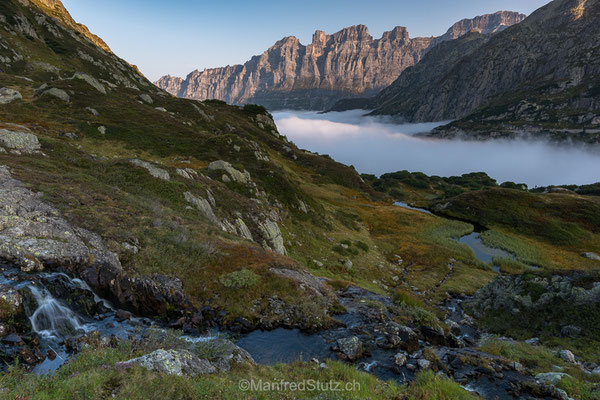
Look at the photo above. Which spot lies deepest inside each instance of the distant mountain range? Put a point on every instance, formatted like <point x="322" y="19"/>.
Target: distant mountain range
<point x="538" y="78"/>
<point x="349" y="63"/>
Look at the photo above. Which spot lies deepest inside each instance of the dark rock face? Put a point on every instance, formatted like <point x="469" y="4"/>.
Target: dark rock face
<point x="565" y="305"/>
<point x="347" y="63"/>
<point x="543" y="70"/>
<point x="36" y="237"/>
<point x="160" y="295"/>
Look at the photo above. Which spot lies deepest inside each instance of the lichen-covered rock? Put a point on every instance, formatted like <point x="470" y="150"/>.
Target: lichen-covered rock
<point x="273" y="237"/>
<point x="305" y="281"/>
<point x="173" y="362"/>
<point x="160" y="295"/>
<point x="234" y="174"/>
<point x="11" y="303"/>
<point x="20" y="141"/>
<point x="146" y="98"/>
<point x="152" y="169"/>
<point x="57" y="93"/>
<point x="186" y="173"/>
<point x="203" y="205"/>
<point x="90" y="80"/>
<point x="551" y="377"/>
<point x="568" y="356"/>
<point x="350" y="348"/>
<point x="242" y="229"/>
<point x="8" y="95"/>
<point x="186" y="361"/>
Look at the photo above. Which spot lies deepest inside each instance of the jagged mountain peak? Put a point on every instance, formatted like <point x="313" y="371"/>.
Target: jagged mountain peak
<point x="349" y="62"/>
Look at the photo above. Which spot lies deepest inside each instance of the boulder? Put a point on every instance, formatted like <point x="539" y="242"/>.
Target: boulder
<point x="186" y="173"/>
<point x="234" y="174"/>
<point x="173" y="362"/>
<point x="423" y="364"/>
<point x="146" y="98"/>
<point x="186" y="361"/>
<point x="568" y="356"/>
<point x="160" y="295"/>
<point x="242" y="229"/>
<point x="570" y="331"/>
<point x="152" y="169"/>
<point x="11" y="303"/>
<point x="8" y="95"/>
<point x="20" y="141"/>
<point x="434" y="336"/>
<point x="410" y="341"/>
<point x="591" y="256"/>
<point x="306" y="281"/>
<point x="400" y="359"/>
<point x="349" y="349"/>
<point x="57" y="93"/>
<point x="90" y="80"/>
<point x="551" y="378"/>
<point x="92" y="111"/>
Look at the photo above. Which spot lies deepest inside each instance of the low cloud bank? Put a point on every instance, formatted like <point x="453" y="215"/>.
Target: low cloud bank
<point x="376" y="146"/>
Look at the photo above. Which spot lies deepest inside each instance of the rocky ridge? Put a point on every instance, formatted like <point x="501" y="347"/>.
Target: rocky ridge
<point x="347" y="63"/>
<point x="526" y="80"/>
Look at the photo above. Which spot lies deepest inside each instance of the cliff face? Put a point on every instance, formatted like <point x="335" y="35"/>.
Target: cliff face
<point x="345" y="64"/>
<point x="543" y="71"/>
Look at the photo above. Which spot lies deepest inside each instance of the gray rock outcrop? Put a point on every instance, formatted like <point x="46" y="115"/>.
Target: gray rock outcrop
<point x="90" y="80"/>
<point x="185" y="361"/>
<point x="273" y="236"/>
<point x="152" y="169"/>
<point x="8" y="95"/>
<point x="174" y="362"/>
<point x="57" y="93"/>
<point x="35" y="236"/>
<point x="22" y="142"/>
<point x="234" y="174"/>
<point x="203" y="206"/>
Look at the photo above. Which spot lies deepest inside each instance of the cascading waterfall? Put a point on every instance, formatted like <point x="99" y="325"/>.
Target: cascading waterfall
<point x="51" y="319"/>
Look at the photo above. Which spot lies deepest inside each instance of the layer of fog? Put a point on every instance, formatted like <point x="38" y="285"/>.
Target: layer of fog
<point x="376" y="146"/>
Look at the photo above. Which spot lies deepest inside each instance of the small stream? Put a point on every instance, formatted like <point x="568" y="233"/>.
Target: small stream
<point x="483" y="252"/>
<point x="54" y="321"/>
<point x="60" y="308"/>
<point x="473" y="240"/>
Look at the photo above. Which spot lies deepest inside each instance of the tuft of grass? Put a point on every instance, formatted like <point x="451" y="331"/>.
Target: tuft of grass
<point x="429" y="386"/>
<point x="537" y="358"/>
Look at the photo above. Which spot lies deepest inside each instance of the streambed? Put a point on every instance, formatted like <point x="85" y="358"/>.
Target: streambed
<point x="55" y="320"/>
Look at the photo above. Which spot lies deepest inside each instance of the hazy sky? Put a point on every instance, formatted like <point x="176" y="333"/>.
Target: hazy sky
<point x="178" y="36"/>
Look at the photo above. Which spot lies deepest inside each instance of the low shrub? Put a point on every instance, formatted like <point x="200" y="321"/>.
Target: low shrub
<point x="244" y="278"/>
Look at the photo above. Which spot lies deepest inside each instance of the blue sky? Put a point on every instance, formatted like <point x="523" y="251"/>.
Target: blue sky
<point x="178" y="36"/>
